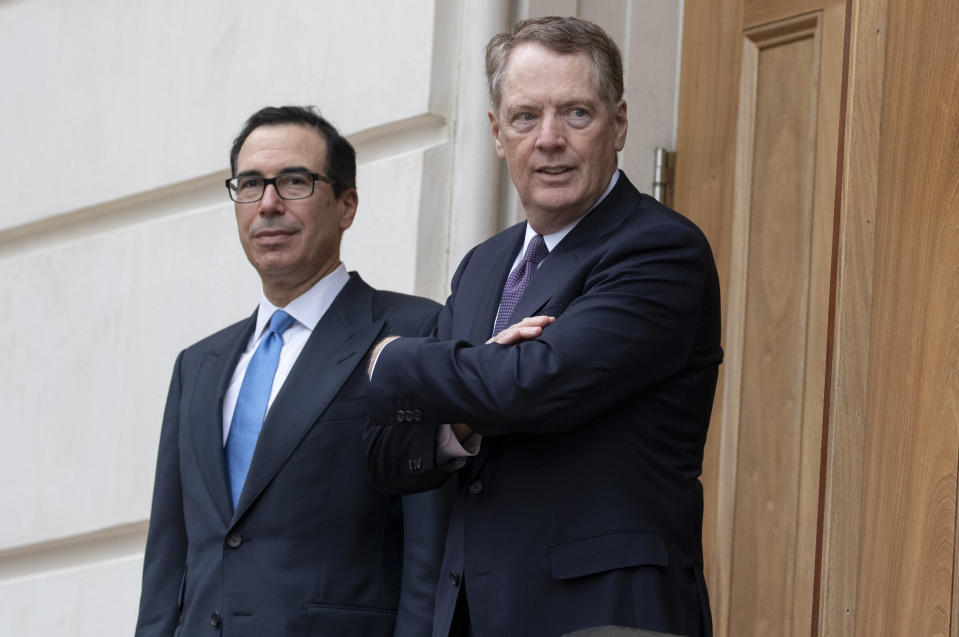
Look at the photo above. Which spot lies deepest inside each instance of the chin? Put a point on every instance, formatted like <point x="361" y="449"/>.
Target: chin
<point x="273" y="263"/>
<point x="556" y="205"/>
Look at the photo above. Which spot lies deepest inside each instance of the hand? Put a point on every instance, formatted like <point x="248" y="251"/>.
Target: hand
<point x="461" y="431"/>
<point x="376" y="352"/>
<point x="526" y="330"/>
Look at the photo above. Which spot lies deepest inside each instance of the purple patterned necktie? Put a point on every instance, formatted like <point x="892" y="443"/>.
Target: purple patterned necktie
<point x="517" y="281"/>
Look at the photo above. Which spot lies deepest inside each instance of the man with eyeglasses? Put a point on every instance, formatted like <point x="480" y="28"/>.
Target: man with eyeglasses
<point x="264" y="520"/>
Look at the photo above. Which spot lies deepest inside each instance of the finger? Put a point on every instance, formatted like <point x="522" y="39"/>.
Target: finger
<point x="535" y="321"/>
<point x="461" y="431"/>
<point x="515" y="334"/>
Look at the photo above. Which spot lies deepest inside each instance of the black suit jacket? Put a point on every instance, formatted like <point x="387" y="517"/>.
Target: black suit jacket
<point x="583" y="507"/>
<point x="312" y="548"/>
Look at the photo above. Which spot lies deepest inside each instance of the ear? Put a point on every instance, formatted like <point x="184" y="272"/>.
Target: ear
<point x="346" y="205"/>
<point x="494" y="128"/>
<point x="621" y="123"/>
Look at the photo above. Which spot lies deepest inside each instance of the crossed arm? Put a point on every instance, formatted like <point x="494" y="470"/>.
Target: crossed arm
<point x="526" y="330"/>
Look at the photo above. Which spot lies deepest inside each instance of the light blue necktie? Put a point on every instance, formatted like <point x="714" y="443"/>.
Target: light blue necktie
<point x="251" y="402"/>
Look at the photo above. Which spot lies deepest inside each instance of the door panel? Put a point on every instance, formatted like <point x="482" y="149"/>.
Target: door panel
<point x="766" y="434"/>
<point x="779" y="97"/>
<point x="911" y="435"/>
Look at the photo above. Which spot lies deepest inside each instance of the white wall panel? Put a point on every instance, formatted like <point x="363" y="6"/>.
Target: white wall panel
<point x="382" y="244"/>
<point x="651" y="59"/>
<point x="91" y="330"/>
<point x="117" y="97"/>
<point x="90" y="601"/>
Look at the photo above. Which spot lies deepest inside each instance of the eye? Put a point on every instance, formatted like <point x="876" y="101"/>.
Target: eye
<point x="244" y="183"/>
<point x="295" y="179"/>
<point x="578" y="113"/>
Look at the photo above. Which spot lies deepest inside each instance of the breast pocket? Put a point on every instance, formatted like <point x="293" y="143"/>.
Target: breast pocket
<point x="606" y="552"/>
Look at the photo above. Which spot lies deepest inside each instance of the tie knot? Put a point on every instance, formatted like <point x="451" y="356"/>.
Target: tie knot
<point x="536" y="251"/>
<point x="280" y="322"/>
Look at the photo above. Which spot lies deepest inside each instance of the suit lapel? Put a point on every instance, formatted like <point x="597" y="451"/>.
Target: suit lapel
<point x="206" y="415"/>
<point x="498" y="269"/>
<point x="563" y="261"/>
<point x="337" y="345"/>
<point x="555" y="269"/>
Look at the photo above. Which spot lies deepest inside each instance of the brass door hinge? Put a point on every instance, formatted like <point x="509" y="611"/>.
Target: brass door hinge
<point x="663" y="176"/>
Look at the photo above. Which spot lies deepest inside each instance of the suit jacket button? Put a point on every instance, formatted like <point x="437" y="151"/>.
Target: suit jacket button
<point x="417" y="415"/>
<point x="234" y="540"/>
<point x="398" y="415"/>
<point x="476" y="487"/>
<point x="215" y="619"/>
<point x="415" y="464"/>
<point x="408" y="416"/>
<point x="454" y="578"/>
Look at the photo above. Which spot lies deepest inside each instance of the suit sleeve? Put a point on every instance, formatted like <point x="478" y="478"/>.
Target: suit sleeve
<point x="633" y="325"/>
<point x="402" y="460"/>
<point x="164" y="563"/>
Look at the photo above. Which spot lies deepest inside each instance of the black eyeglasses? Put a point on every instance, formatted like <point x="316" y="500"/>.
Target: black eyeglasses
<point x="294" y="185"/>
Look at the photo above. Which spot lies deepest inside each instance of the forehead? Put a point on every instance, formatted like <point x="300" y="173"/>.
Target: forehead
<point x="535" y="72"/>
<point x="278" y="146"/>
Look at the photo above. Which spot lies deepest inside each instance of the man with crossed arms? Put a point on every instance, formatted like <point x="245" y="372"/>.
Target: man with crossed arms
<point x="578" y="500"/>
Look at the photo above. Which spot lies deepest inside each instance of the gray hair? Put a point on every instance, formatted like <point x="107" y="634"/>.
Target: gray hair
<point x="563" y="35"/>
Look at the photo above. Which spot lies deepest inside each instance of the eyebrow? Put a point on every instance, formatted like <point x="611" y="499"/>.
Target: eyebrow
<point x="284" y="170"/>
<point x="521" y="107"/>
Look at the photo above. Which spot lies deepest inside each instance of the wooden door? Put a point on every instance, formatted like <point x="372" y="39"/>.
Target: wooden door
<point x="818" y="147"/>
<point x="756" y="161"/>
<point x="889" y="558"/>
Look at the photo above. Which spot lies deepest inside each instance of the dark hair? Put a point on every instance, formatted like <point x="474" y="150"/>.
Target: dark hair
<point x="563" y="35"/>
<point x="340" y="156"/>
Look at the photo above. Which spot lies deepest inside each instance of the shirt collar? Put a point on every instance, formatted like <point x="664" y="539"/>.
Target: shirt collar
<point x="309" y="307"/>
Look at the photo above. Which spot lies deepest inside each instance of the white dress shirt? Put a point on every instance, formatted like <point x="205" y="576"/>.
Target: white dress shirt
<point x="307" y="309"/>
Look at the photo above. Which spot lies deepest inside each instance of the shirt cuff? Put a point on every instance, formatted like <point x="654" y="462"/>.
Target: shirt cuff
<point x="373" y="361"/>
<point x="448" y="447"/>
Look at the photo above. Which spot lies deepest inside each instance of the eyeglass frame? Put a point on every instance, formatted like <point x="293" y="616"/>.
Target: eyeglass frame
<point x="267" y="181"/>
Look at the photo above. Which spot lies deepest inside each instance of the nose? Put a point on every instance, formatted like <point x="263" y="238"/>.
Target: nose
<point x="552" y="135"/>
<point x="271" y="203"/>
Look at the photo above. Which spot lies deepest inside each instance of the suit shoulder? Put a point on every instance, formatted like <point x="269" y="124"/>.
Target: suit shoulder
<point x="214" y="340"/>
<point x="406" y="314"/>
<point x="644" y="213"/>
<point x="385" y="301"/>
<point x="502" y="238"/>
<point x="651" y="214"/>
<point x="492" y="248"/>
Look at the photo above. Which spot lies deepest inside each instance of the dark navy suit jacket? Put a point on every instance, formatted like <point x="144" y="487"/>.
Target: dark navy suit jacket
<point x="312" y="548"/>
<point x="583" y="507"/>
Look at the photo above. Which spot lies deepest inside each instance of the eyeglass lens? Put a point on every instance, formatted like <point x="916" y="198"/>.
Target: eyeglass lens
<point x="288" y="186"/>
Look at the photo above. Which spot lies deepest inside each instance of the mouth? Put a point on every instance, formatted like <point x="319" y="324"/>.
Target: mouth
<point x="272" y="235"/>
<point x="554" y="171"/>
